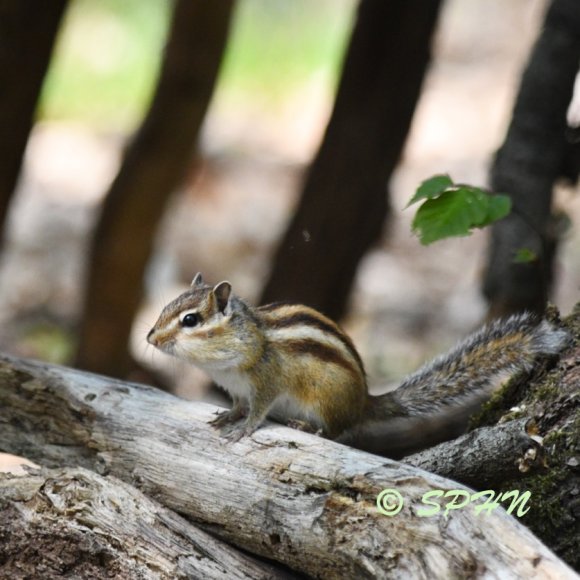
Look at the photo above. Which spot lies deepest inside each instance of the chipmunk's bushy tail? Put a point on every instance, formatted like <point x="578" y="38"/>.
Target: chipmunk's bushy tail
<point x="434" y="403"/>
<point x="475" y="366"/>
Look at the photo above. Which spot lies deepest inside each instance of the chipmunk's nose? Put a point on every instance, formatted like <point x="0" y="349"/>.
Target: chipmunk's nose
<point x="150" y="338"/>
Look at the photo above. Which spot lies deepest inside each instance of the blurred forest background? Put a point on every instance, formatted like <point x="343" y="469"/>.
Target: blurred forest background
<point x="266" y="118"/>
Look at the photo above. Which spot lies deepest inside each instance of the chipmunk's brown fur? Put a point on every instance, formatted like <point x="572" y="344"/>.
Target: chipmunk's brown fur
<point x="291" y="362"/>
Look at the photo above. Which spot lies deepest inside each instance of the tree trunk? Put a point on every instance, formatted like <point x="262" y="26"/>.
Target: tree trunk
<point x="154" y="165"/>
<point x="344" y="201"/>
<point x="551" y="404"/>
<point x="290" y="496"/>
<point x="27" y="33"/>
<point x="532" y="158"/>
<point x="75" y="523"/>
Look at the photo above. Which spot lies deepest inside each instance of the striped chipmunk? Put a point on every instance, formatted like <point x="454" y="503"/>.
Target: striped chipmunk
<point x="291" y="363"/>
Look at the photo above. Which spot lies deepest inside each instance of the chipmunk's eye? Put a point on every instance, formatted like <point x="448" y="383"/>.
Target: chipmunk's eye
<point x="191" y="319"/>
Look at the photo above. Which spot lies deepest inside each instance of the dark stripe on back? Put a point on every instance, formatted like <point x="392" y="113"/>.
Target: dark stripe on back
<point x="274" y="306"/>
<point x="303" y="318"/>
<point x="308" y="346"/>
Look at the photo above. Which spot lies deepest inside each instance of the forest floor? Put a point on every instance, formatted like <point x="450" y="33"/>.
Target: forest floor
<point x="409" y="302"/>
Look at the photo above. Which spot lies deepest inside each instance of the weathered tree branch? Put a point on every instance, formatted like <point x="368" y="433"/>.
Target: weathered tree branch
<point x="485" y="457"/>
<point x="304" y="501"/>
<point x="74" y="522"/>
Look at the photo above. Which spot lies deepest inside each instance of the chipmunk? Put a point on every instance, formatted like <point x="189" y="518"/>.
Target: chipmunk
<point x="290" y="362"/>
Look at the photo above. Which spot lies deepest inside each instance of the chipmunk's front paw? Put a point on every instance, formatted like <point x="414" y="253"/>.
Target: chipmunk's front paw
<point x="226" y="418"/>
<point x="234" y="433"/>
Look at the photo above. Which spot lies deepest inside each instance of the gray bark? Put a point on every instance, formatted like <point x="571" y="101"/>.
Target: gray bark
<point x="75" y="523"/>
<point x="486" y="457"/>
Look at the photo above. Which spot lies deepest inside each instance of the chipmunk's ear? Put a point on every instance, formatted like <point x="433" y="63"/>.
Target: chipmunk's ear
<point x="197" y="280"/>
<point x="222" y="293"/>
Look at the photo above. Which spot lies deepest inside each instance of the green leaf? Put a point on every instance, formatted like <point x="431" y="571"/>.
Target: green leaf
<point x="476" y="204"/>
<point x="525" y="256"/>
<point x="451" y="209"/>
<point x="499" y="207"/>
<point x="431" y="188"/>
<point x="443" y="217"/>
<point x="456" y="212"/>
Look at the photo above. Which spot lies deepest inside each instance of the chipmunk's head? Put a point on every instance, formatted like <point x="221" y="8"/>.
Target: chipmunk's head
<point x="203" y="326"/>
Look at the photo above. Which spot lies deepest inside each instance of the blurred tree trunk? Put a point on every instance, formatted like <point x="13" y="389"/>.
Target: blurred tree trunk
<point x="153" y="166"/>
<point x="532" y="158"/>
<point x="27" y="34"/>
<point x="344" y="199"/>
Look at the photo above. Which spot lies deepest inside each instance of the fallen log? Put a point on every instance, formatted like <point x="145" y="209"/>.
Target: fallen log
<point x="290" y="496"/>
<point x="73" y="522"/>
